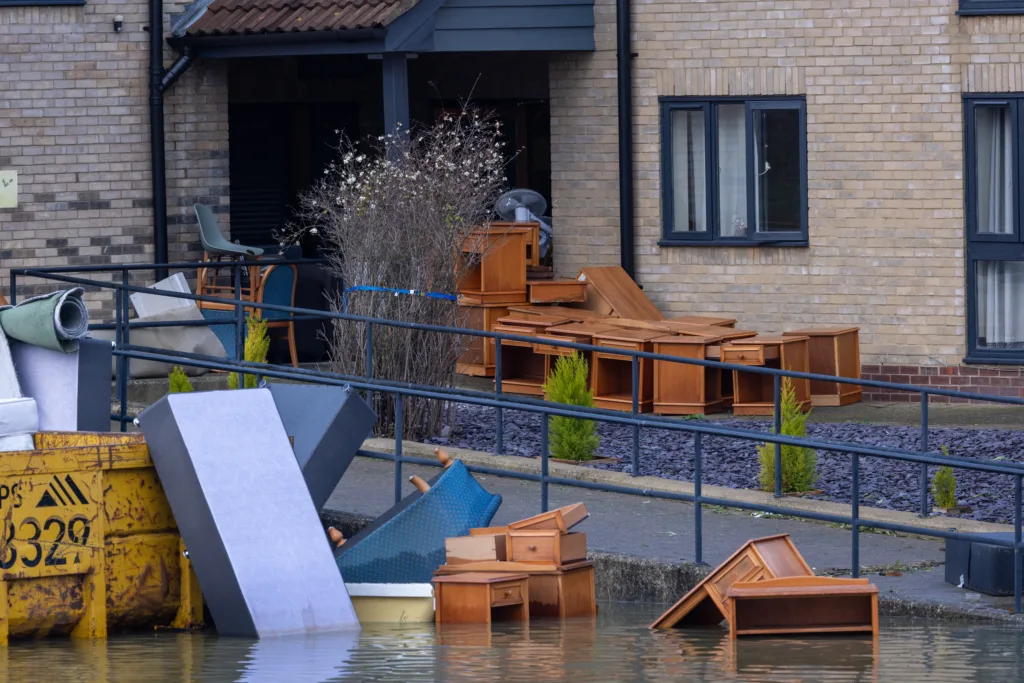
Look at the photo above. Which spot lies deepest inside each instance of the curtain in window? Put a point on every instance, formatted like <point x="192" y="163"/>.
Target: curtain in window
<point x="995" y="177"/>
<point x="1000" y="304"/>
<point x="689" y="182"/>
<point x="732" y="170"/>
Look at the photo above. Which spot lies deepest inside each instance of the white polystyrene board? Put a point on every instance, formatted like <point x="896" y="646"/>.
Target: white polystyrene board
<point x="18" y="416"/>
<point x="9" y="387"/>
<point x="254" y="488"/>
<point x="390" y="590"/>
<point x="51" y="378"/>
<point x="147" y="305"/>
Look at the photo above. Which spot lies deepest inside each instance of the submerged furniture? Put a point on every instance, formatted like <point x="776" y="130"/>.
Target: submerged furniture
<point x="771" y="557"/>
<point x="392" y="603"/>
<point x="227" y="466"/>
<point x="833" y="351"/>
<point x="612" y="376"/>
<point x="802" y="604"/>
<point x="754" y="394"/>
<point x="480" y="598"/>
<point x="407" y="543"/>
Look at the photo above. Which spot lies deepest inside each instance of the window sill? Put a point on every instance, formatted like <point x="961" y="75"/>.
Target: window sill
<point x="976" y="359"/>
<point x="732" y="243"/>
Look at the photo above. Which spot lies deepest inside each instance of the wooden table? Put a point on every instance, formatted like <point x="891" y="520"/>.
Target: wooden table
<point x="613" y="372"/>
<point x="682" y="388"/>
<point x="494" y="264"/>
<point x="480" y="597"/>
<point x="755" y="393"/>
<point x="565" y="591"/>
<point x="833" y="351"/>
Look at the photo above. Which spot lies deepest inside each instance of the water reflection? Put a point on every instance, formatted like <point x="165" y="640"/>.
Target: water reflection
<point x="615" y="647"/>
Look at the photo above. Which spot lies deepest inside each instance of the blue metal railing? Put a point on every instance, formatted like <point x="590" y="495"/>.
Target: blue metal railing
<point x="501" y="401"/>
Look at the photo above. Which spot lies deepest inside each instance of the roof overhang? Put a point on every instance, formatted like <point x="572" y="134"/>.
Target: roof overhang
<point x="427" y="26"/>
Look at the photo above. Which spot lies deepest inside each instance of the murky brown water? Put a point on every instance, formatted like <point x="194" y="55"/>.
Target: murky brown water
<point x="619" y="647"/>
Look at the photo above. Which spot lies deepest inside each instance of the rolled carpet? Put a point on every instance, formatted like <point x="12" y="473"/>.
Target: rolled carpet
<point x="54" y="321"/>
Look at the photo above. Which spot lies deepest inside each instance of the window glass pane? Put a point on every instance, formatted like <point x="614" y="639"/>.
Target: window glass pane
<point x="1000" y="302"/>
<point x="993" y="156"/>
<point x="689" y="182"/>
<point x="732" y="170"/>
<point x="777" y="204"/>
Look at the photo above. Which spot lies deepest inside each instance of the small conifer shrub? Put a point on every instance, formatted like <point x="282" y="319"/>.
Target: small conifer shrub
<point x="799" y="465"/>
<point x="572" y="438"/>
<point x="257" y="344"/>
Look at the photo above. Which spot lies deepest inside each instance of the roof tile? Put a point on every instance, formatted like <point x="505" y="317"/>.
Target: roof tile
<point x="247" y="17"/>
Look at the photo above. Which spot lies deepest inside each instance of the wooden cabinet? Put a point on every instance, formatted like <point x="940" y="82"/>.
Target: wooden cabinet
<point x="806" y="604"/>
<point x="523" y="371"/>
<point x="532" y="253"/>
<point x="754" y="394"/>
<point x="682" y="388"/>
<point x="833" y="351"/>
<point x="477" y="359"/>
<point x="612" y="378"/>
<point x="496" y="273"/>
<point x="480" y="598"/>
<point x="579" y="333"/>
<point x="565" y="591"/>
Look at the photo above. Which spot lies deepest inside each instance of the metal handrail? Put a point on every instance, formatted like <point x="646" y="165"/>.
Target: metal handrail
<point x="501" y="401"/>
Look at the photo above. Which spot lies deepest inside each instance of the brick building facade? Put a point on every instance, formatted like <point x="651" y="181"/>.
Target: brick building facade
<point x="883" y="82"/>
<point x="74" y="125"/>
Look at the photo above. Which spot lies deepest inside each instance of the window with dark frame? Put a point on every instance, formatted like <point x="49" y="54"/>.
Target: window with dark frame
<point x="993" y="138"/>
<point x="990" y="7"/>
<point x="734" y="171"/>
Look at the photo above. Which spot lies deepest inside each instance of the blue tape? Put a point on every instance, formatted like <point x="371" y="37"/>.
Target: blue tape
<point x="396" y="292"/>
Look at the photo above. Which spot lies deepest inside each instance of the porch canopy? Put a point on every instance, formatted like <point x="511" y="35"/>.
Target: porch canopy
<point x="393" y="29"/>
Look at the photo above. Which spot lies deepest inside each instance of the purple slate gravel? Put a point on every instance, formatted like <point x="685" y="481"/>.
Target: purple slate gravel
<point x="733" y="462"/>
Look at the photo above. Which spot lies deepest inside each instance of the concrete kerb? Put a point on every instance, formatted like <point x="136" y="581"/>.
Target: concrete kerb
<point x="645" y="483"/>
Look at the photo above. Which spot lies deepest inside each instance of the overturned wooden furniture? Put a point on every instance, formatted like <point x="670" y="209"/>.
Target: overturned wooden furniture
<point x="771" y="557"/>
<point x="803" y="604"/>
<point x="496" y="273"/>
<point x="613" y="372"/>
<point x="703" y="320"/>
<point x="754" y="394"/>
<point x="833" y="351"/>
<point x="611" y="291"/>
<point x="684" y="388"/>
<point x="480" y="598"/>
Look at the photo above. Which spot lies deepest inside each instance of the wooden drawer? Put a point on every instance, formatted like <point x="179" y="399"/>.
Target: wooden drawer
<point x="507" y="594"/>
<point x="463" y="549"/>
<point x="546" y="546"/>
<point x="748" y="354"/>
<point x="562" y="519"/>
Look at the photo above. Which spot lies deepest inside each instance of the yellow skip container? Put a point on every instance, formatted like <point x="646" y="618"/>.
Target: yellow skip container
<point x="88" y="542"/>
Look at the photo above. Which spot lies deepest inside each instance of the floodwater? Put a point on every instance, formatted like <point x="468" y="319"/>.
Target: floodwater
<point x="618" y="647"/>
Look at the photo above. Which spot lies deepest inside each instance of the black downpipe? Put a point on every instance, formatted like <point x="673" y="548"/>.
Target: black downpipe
<point x="625" y="78"/>
<point x="159" y="81"/>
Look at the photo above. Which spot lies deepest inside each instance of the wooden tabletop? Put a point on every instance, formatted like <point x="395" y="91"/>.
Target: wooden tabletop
<point x="581" y="329"/>
<point x="533" y="320"/>
<point x="479" y="577"/>
<point x="629" y="335"/>
<point x="822" y="331"/>
<point x="701" y="320"/>
<point x="765" y="341"/>
<point x="677" y="339"/>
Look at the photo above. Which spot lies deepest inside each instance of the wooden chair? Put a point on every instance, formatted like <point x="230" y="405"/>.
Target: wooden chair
<point x="277" y="285"/>
<point x="3" y="301"/>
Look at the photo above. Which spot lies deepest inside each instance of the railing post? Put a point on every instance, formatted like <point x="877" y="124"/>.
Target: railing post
<point x="923" y="475"/>
<point x="544" y="462"/>
<point x="369" y="360"/>
<point x="855" y="517"/>
<point x="240" y="344"/>
<point x="123" y="364"/>
<point x="635" y="460"/>
<point x="777" y="391"/>
<point x="698" y="521"/>
<point x="14" y="288"/>
<point x="399" y="399"/>
<point x="499" y="431"/>
<point x="1017" y="608"/>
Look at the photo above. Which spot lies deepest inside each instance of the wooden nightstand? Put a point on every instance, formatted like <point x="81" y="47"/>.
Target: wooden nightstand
<point x="480" y="598"/>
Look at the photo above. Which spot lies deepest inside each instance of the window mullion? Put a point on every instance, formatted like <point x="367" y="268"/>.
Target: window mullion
<point x="711" y="144"/>
<point x="1015" y="165"/>
<point x="751" y="172"/>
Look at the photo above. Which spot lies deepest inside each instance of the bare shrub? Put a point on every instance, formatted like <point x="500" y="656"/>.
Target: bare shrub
<point x="398" y="218"/>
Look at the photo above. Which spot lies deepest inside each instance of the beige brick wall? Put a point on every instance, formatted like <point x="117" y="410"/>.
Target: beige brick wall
<point x="883" y="81"/>
<point x="74" y="123"/>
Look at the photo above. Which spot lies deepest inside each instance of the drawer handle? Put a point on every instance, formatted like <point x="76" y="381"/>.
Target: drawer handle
<point x="508" y="593"/>
<point x="532" y="548"/>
